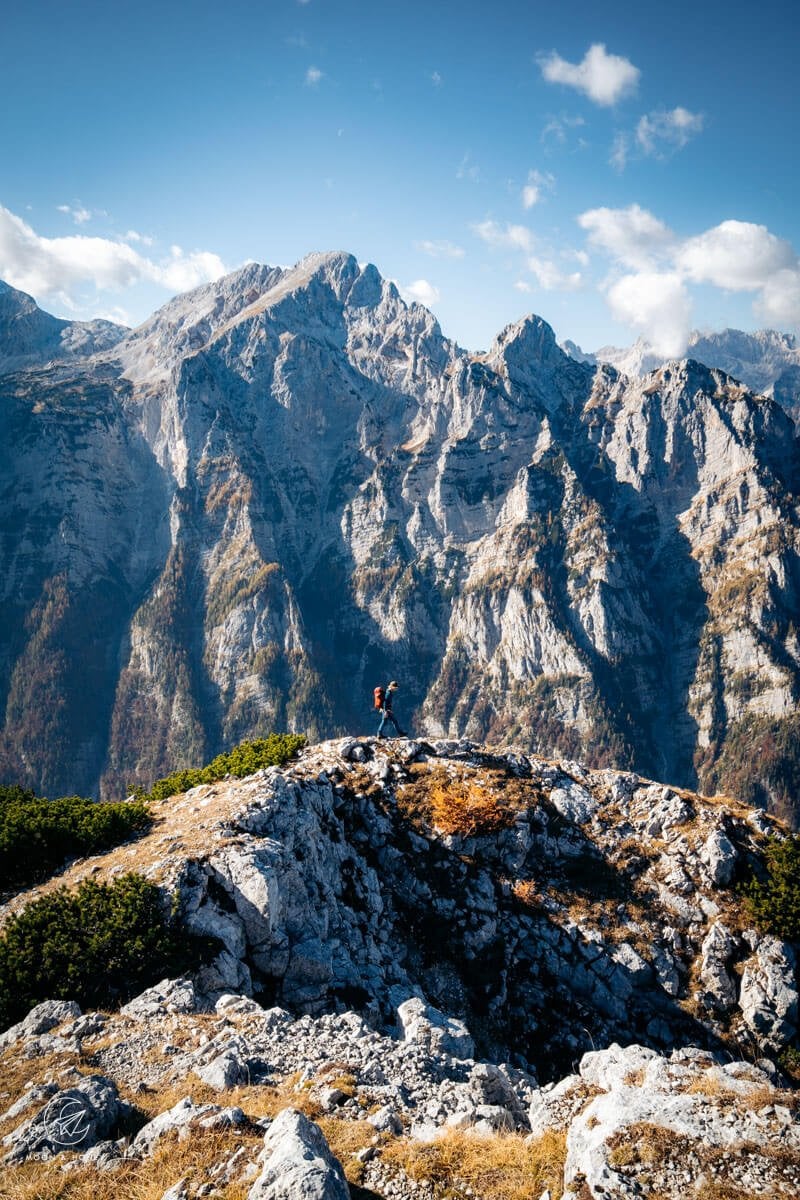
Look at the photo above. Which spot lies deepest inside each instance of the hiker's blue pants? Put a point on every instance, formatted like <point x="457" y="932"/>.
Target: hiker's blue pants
<point x="386" y="716"/>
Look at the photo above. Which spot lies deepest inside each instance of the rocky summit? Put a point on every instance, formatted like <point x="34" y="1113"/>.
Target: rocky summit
<point x="288" y="486"/>
<point x="436" y="970"/>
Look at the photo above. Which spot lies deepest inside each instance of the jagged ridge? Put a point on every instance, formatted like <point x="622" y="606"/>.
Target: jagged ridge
<point x="288" y="484"/>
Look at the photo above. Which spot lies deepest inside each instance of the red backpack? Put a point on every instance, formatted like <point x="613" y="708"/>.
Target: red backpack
<point x="378" y="697"/>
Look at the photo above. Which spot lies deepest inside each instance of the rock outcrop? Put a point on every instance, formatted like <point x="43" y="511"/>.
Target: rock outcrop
<point x="550" y="906"/>
<point x="419" y="942"/>
<point x="288" y="485"/>
<point x="641" y="1124"/>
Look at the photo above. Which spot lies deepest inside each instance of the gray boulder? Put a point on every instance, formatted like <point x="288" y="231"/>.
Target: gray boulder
<point x="168" y="996"/>
<point x="768" y="993"/>
<point x="74" y="1119"/>
<point x="227" y="1070"/>
<point x="36" y="1094"/>
<point x="717" y="948"/>
<point x="718" y="856"/>
<point x="176" y="1192"/>
<point x="433" y="1030"/>
<point x="104" y="1156"/>
<point x="386" y="1120"/>
<point x="297" y="1163"/>
<point x="43" y="1017"/>
<point x="573" y="801"/>
<point x="181" y="1117"/>
<point x="688" y="1099"/>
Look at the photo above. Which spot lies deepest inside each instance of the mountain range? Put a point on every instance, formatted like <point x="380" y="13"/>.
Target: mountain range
<point x="288" y="486"/>
<point x="768" y="362"/>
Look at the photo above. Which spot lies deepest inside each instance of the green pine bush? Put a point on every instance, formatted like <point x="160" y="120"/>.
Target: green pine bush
<point x="99" y="944"/>
<point x="774" y="903"/>
<point x="37" y="836"/>
<point x="245" y="759"/>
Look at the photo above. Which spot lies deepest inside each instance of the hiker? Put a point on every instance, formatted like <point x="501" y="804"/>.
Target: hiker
<point x="383" y="704"/>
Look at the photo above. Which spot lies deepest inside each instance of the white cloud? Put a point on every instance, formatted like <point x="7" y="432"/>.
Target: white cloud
<point x="558" y="128"/>
<point x="420" y="292"/>
<point x="736" y="255"/>
<point x="47" y="266"/>
<point x="184" y="271"/>
<point x="538" y="182"/>
<point x="519" y="239"/>
<point x="467" y="169"/>
<point x="656" y="131"/>
<point x="442" y="249"/>
<point x="512" y="237"/>
<point x="657" y="305"/>
<point x="80" y="215"/>
<point x="779" y="302"/>
<point x="530" y="195"/>
<point x="313" y="76"/>
<point x="436" y="79"/>
<point x="133" y="236"/>
<point x="657" y="135"/>
<point x="550" y="277"/>
<point x="605" y="78"/>
<point x="631" y="235"/>
<point x="619" y="151"/>
<point x="655" y="300"/>
<point x="116" y="314"/>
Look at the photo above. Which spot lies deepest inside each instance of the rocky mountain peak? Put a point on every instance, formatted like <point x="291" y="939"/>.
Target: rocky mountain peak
<point x="30" y="337"/>
<point x="528" y="356"/>
<point x="531" y="338"/>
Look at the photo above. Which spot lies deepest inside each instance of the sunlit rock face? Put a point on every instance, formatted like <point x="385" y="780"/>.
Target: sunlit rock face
<point x="288" y="486"/>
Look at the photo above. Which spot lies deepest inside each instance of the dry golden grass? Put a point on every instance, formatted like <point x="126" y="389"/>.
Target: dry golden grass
<point x="712" y="1086"/>
<point x="175" y="1159"/>
<point x="500" y="1167"/>
<point x="17" y="1073"/>
<point x="345" y="1139"/>
<point x="467" y="810"/>
<point x="344" y="1083"/>
<point x="642" y="1143"/>
<point x="255" y="1100"/>
<point x="758" y="1096"/>
<point x="192" y="1159"/>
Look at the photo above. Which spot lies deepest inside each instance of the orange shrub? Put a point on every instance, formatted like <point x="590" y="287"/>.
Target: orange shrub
<point x="467" y="809"/>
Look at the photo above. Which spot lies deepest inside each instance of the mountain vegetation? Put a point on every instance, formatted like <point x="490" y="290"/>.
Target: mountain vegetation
<point x="37" y="836"/>
<point x="99" y="943"/>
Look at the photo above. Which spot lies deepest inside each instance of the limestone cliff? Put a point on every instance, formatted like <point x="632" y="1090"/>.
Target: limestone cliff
<point x="288" y="485"/>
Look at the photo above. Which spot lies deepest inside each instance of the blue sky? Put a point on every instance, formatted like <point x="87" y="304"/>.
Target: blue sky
<point x="619" y="168"/>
